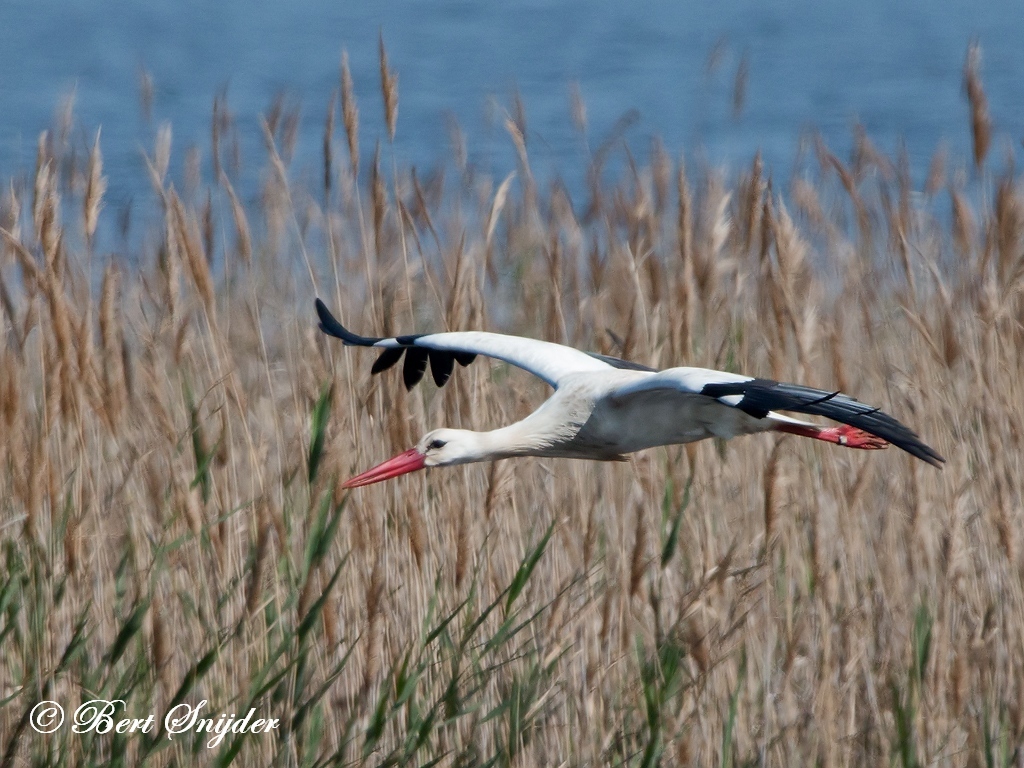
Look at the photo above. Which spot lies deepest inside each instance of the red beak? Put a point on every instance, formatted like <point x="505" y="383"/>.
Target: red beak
<point x="409" y="461"/>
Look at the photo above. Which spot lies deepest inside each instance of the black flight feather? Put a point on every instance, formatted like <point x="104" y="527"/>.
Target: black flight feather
<point x="415" y="366"/>
<point x="441" y="366"/>
<point x="763" y="395"/>
<point x="330" y="326"/>
<point x="464" y="358"/>
<point x="388" y="358"/>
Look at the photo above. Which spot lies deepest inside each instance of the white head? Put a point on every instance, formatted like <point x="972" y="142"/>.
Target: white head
<point x="445" y="447"/>
<point x="440" y="448"/>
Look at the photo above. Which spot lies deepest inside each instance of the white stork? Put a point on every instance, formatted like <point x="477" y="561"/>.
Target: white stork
<point x="603" y="407"/>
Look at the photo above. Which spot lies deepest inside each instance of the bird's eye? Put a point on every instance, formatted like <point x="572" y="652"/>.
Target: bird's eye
<point x="435" y="444"/>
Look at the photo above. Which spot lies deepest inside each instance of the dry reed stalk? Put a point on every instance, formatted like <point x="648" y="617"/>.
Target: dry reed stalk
<point x="46" y="218"/>
<point x="418" y="543"/>
<point x="243" y="235"/>
<point x="10" y="396"/>
<point x="492" y="489"/>
<point x="61" y="369"/>
<point x="96" y="186"/>
<point x="687" y="284"/>
<point x="771" y="494"/>
<point x="638" y="557"/>
<point x="516" y="129"/>
<point x="10" y="219"/>
<point x="328" y="147"/>
<point x="161" y="157"/>
<point x="981" y="123"/>
<point x="455" y="306"/>
<point x="867" y="156"/>
<point x="497" y="205"/>
<point x="794" y="281"/>
<point x="331" y="621"/>
<point x="88" y="381"/>
<point x="462" y="555"/>
<point x="775" y="287"/>
<point x="948" y="334"/>
<point x="156" y="490"/>
<point x="661" y="173"/>
<point x="208" y="229"/>
<point x="422" y="205"/>
<point x="965" y="231"/>
<point x="73" y="541"/>
<point x="697" y="644"/>
<point x="389" y="89"/>
<point x="1005" y="529"/>
<point x="750" y="201"/>
<point x="189" y="240"/>
<point x="350" y="115"/>
<point x="260" y="551"/>
<point x="7" y="304"/>
<point x="838" y="354"/>
<point x="607" y="611"/>
<point x="1009" y="225"/>
<point x="41" y="182"/>
<point x="379" y="204"/>
<point x="849" y="182"/>
<point x="32" y="495"/>
<point x="558" y="330"/>
<point x="111" y="343"/>
<point x="715" y="226"/>
<point x="160" y="648"/>
<point x="374" y="609"/>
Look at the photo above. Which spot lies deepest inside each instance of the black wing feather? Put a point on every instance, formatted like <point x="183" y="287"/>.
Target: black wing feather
<point x="441" y="366"/>
<point x="763" y="395"/>
<point x="388" y="358"/>
<point x="330" y="326"/>
<point x="415" y="366"/>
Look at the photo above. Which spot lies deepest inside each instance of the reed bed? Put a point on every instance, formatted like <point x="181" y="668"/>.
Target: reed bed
<point x="176" y="430"/>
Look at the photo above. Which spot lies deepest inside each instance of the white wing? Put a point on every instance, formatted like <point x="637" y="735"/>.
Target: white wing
<point x="760" y="398"/>
<point x="544" y="359"/>
<point x="689" y="380"/>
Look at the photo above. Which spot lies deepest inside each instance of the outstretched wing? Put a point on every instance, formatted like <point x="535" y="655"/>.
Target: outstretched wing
<point x="760" y="397"/>
<point x="548" y="361"/>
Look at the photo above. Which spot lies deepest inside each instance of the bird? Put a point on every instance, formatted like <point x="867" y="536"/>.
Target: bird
<point x="604" y="408"/>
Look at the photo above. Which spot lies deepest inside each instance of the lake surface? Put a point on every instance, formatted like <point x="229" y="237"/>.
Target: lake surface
<point x="894" y="66"/>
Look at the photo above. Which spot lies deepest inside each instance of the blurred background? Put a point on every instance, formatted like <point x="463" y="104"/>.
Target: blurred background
<point x="714" y="85"/>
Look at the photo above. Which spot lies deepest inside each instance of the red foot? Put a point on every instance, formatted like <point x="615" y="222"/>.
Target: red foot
<point x="846" y="435"/>
<point x="852" y="437"/>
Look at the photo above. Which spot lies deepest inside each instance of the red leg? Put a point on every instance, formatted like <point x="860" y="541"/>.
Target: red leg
<point x="846" y="435"/>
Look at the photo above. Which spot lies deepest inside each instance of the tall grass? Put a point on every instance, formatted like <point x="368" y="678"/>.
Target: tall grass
<point x="176" y="430"/>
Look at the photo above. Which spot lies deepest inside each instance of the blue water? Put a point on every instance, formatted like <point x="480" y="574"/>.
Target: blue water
<point x="893" y="65"/>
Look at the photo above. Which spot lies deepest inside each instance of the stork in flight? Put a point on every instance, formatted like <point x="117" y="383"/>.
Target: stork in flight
<point x="604" y="408"/>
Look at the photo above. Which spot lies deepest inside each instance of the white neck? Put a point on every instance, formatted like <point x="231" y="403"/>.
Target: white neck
<point x="524" y="438"/>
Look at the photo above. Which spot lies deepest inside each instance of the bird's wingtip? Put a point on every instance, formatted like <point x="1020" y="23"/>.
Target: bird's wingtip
<point x="330" y="325"/>
<point x="916" y="447"/>
<point x="321" y="309"/>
